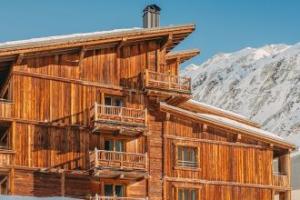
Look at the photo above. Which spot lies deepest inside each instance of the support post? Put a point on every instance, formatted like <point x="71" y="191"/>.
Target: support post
<point x="285" y="168"/>
<point x="63" y="178"/>
<point x="96" y="157"/>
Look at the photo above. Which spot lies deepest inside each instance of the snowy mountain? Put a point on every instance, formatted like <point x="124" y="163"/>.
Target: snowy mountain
<point x="261" y="83"/>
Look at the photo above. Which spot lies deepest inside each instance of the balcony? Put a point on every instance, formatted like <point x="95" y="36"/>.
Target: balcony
<point x="280" y="180"/>
<point x="112" y="164"/>
<point x="5" y="157"/>
<point x="5" y="109"/>
<point x="172" y="83"/>
<point x="127" y="121"/>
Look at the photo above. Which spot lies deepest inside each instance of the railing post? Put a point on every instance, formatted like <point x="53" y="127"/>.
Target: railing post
<point x="146" y="77"/>
<point x="146" y="116"/>
<point x="122" y="158"/>
<point x="169" y="80"/>
<point x="96" y="111"/>
<point x="96" y="157"/>
<point x="146" y="161"/>
<point x="121" y="113"/>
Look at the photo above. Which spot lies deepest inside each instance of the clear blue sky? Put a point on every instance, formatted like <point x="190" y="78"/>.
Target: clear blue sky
<point x="222" y="25"/>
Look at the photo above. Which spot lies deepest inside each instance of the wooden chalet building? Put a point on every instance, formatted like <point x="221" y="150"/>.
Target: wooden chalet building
<point x="106" y="115"/>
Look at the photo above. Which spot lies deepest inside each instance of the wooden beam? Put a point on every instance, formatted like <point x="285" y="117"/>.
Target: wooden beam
<point x="122" y="42"/>
<point x="19" y="59"/>
<point x="81" y="55"/>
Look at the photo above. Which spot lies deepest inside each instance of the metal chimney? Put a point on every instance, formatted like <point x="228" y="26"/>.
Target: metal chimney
<point x="151" y="16"/>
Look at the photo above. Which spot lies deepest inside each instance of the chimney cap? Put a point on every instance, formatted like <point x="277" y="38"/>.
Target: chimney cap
<point x="152" y="7"/>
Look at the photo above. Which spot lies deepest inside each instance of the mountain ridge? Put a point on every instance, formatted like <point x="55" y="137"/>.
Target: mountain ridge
<point x="262" y="84"/>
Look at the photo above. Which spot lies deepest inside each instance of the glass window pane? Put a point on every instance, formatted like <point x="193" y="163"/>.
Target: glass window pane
<point x="108" y="101"/>
<point x="108" y="146"/>
<point x="119" y="190"/>
<point x="119" y="146"/>
<point x="180" y="194"/>
<point x="193" y="195"/>
<point x="118" y="102"/>
<point x="179" y="153"/>
<point x="186" y="194"/>
<point x="108" y="190"/>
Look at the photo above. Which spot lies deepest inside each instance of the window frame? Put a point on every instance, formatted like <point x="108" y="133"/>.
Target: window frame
<point x="114" y="140"/>
<point x="114" y="189"/>
<point x="113" y="100"/>
<point x="189" y="186"/>
<point x="7" y="180"/>
<point x="7" y="134"/>
<point x="176" y="166"/>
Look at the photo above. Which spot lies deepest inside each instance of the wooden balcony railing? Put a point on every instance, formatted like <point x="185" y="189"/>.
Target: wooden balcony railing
<point x="167" y="82"/>
<point x="118" y="160"/>
<point x="5" y="108"/>
<point x="119" y="114"/>
<point x="280" y="180"/>
<point x="5" y="157"/>
<point x="117" y="198"/>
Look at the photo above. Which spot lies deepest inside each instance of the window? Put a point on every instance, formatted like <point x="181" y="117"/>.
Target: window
<point x="187" y="194"/>
<point x="3" y="184"/>
<point x="113" y="101"/>
<point x="114" y="190"/>
<point x="187" y="157"/>
<point x="4" y="137"/>
<point x="114" y="145"/>
<point x="5" y="82"/>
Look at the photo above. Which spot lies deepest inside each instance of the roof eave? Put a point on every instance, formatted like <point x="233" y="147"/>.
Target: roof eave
<point x="79" y="42"/>
<point x="179" y="111"/>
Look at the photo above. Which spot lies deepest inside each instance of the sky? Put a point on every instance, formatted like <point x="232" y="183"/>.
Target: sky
<point x="222" y="26"/>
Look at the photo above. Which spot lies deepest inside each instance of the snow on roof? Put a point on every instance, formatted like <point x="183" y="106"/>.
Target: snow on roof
<point x="59" y="38"/>
<point x="81" y="37"/>
<point x="230" y="123"/>
<point x="296" y="153"/>
<point x="241" y="126"/>
<point x="183" y="51"/>
<point x="218" y="109"/>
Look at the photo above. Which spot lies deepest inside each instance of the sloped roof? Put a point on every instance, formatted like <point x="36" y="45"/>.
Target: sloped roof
<point x="80" y="40"/>
<point x="197" y="106"/>
<point x="230" y="124"/>
<point x="183" y="55"/>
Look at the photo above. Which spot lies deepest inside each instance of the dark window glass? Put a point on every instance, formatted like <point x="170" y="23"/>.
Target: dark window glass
<point x="109" y="145"/>
<point x="118" y="102"/>
<point x="119" y="190"/>
<point x="114" y="145"/>
<point x="108" y="101"/>
<point x="108" y="190"/>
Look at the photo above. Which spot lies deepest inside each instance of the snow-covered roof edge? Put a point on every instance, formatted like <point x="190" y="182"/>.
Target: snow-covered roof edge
<point x="232" y="123"/>
<point x="56" y="38"/>
<point x="84" y="36"/>
<point x="225" y="112"/>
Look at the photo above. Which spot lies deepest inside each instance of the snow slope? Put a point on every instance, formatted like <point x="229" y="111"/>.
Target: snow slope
<point x="261" y="83"/>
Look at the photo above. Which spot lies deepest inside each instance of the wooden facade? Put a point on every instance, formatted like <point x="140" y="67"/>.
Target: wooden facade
<point x="108" y="116"/>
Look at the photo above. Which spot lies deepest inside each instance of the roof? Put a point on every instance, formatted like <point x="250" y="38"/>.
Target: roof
<point x="197" y="106"/>
<point x="223" y="122"/>
<point x="183" y="55"/>
<point x="9" y="50"/>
